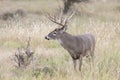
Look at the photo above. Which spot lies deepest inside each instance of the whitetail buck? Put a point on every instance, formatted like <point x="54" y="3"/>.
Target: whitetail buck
<point x="78" y="46"/>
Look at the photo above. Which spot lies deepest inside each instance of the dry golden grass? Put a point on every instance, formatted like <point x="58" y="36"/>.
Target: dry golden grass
<point x="103" y="22"/>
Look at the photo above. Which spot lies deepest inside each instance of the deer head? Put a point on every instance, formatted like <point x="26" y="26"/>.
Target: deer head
<point x="62" y="23"/>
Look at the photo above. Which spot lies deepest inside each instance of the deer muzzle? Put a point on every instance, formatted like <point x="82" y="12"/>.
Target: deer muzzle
<point x="46" y="37"/>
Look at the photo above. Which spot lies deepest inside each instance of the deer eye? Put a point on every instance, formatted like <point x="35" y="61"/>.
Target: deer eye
<point x="54" y="33"/>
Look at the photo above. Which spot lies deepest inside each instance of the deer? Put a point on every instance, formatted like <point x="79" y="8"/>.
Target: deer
<point x="78" y="46"/>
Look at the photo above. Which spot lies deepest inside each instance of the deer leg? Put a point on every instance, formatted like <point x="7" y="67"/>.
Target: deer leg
<point x="74" y="63"/>
<point x="91" y="59"/>
<point x="92" y="55"/>
<point x="80" y="62"/>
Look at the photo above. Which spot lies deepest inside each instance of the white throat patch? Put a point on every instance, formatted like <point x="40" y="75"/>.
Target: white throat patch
<point x="59" y="41"/>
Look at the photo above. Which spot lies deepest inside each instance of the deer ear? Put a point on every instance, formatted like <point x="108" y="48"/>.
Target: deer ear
<point x="63" y="29"/>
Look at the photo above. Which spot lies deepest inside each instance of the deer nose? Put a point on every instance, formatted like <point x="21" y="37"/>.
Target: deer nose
<point x="46" y="38"/>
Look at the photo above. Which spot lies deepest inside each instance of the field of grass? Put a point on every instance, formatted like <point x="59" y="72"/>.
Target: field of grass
<point x="51" y="61"/>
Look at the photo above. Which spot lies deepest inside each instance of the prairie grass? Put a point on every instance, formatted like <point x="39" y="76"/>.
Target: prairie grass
<point x="51" y="61"/>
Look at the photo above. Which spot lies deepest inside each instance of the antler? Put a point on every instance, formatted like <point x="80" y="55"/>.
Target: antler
<point x="69" y="17"/>
<point x="62" y="22"/>
<point x="53" y="19"/>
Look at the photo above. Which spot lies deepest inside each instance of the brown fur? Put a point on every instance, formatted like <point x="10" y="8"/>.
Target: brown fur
<point x="78" y="46"/>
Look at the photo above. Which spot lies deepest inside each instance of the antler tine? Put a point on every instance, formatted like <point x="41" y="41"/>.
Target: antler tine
<point x="53" y="19"/>
<point x="69" y="17"/>
<point x="61" y="16"/>
<point x="50" y="17"/>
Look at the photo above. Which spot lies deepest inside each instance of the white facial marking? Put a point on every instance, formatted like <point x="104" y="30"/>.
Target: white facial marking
<point x="48" y="37"/>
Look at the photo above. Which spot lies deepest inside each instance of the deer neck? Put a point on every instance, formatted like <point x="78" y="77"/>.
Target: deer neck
<point x="65" y="39"/>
